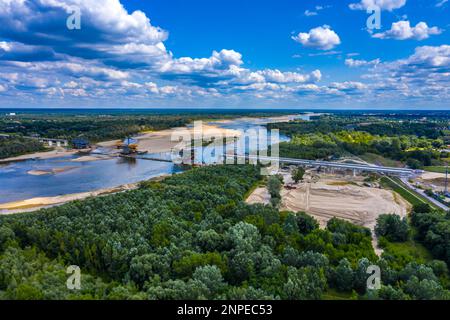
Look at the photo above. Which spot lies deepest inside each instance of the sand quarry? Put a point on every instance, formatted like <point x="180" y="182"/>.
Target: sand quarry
<point x="433" y="180"/>
<point x="344" y="197"/>
<point x="166" y="140"/>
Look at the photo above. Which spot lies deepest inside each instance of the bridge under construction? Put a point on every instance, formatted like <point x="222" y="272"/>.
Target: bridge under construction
<point x="356" y="168"/>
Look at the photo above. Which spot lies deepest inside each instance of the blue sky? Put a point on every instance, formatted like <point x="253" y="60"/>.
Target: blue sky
<point x="253" y="54"/>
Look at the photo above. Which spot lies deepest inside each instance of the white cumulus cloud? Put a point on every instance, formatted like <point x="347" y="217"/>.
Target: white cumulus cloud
<point x="402" y="30"/>
<point x="323" y="38"/>
<point x="424" y="74"/>
<point x="387" y="5"/>
<point x="309" y="13"/>
<point x="353" y="63"/>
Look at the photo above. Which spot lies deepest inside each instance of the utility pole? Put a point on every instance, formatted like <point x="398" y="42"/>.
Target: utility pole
<point x="446" y="180"/>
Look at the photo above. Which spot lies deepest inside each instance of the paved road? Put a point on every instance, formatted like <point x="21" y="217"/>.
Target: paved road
<point x="337" y="165"/>
<point x="422" y="193"/>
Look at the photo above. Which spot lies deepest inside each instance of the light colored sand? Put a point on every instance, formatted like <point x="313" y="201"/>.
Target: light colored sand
<point x="161" y="141"/>
<point x="63" y="169"/>
<point x="359" y="205"/>
<point x="108" y="144"/>
<point x="276" y="119"/>
<point x="154" y="141"/>
<point x="91" y="158"/>
<point x="157" y="142"/>
<point x="42" y="155"/>
<point x="43" y="202"/>
<point x="37" y="203"/>
<point x="51" y="171"/>
<point x="432" y="175"/>
<point x="330" y="198"/>
<point x="39" y="172"/>
<point x="432" y="180"/>
<point x="259" y="195"/>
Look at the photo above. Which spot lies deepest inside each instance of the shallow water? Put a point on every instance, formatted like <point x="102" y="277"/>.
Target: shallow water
<point x="17" y="184"/>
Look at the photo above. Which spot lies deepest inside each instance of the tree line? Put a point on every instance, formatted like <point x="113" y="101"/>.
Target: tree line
<point x="16" y="146"/>
<point x="192" y="236"/>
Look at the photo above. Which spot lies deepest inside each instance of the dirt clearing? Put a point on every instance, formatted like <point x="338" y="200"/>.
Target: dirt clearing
<point x="328" y="197"/>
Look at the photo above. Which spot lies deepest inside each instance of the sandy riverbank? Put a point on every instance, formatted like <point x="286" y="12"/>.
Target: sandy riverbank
<point x="39" y="172"/>
<point x="154" y="142"/>
<point x="41" y="155"/>
<point x="166" y="140"/>
<point x="33" y="204"/>
<point x="262" y="120"/>
<point x="91" y="158"/>
<point x="51" y="171"/>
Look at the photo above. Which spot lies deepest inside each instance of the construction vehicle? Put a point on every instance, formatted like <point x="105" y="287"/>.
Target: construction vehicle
<point x="128" y="147"/>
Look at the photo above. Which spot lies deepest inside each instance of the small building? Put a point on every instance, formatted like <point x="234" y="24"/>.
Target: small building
<point x="80" y="143"/>
<point x="51" y="142"/>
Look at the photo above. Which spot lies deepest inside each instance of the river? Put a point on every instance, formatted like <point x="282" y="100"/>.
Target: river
<point x="16" y="182"/>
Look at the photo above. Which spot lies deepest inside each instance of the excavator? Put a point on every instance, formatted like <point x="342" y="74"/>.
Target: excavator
<point x="127" y="147"/>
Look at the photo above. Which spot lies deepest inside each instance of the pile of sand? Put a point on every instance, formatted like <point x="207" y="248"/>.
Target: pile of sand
<point x="330" y="198"/>
<point x="432" y="180"/>
<point x="359" y="205"/>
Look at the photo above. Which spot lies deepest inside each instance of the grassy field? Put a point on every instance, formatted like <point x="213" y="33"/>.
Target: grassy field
<point x="408" y="251"/>
<point x="380" y="160"/>
<point x="438" y="169"/>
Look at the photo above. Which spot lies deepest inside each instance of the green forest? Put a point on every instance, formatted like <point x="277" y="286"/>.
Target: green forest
<point x="104" y="126"/>
<point x="15" y="146"/>
<point x="94" y="128"/>
<point x="412" y="143"/>
<point x="192" y="236"/>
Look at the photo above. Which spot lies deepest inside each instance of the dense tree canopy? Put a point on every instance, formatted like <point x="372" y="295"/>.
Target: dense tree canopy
<point x="191" y="236"/>
<point x="15" y="146"/>
<point x="392" y="227"/>
<point x="412" y="141"/>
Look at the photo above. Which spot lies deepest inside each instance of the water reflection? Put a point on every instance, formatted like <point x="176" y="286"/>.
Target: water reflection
<point x="60" y="176"/>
